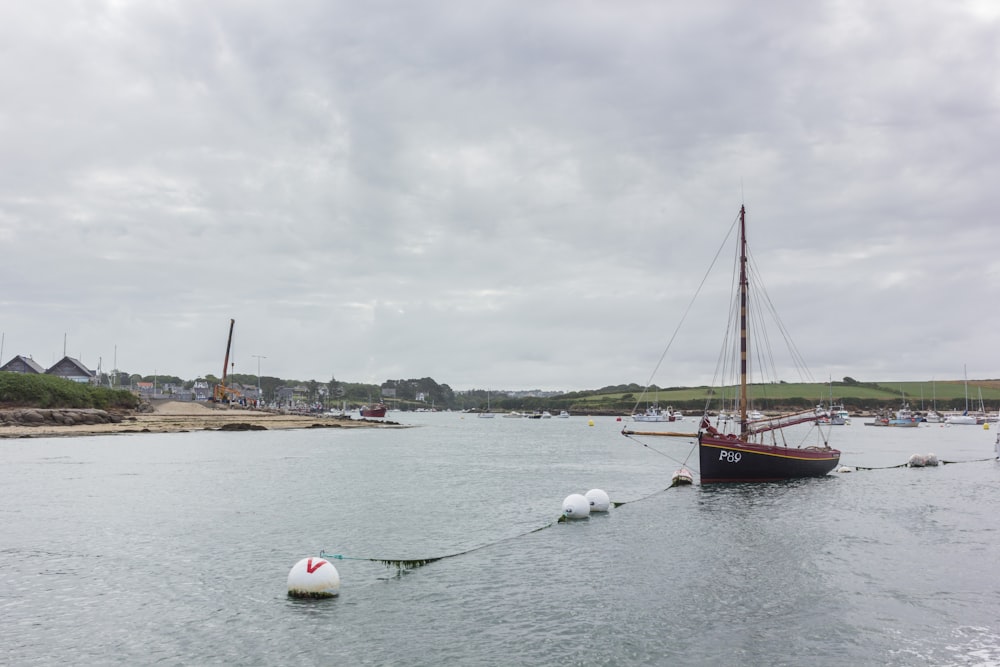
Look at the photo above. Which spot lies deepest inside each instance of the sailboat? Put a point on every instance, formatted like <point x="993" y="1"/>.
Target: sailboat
<point x="487" y="414"/>
<point x="964" y="419"/>
<point x="755" y="453"/>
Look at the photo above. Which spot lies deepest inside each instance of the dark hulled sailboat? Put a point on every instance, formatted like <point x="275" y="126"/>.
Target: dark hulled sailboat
<point x="755" y="452"/>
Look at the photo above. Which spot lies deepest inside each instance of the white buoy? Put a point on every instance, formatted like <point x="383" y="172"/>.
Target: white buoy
<point x="313" y="578"/>
<point x="598" y="499"/>
<point x="576" y="506"/>
<point x="845" y="469"/>
<point x="681" y="477"/>
<point x="921" y="460"/>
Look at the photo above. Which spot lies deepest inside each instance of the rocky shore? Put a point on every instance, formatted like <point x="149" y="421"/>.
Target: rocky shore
<point x="64" y="417"/>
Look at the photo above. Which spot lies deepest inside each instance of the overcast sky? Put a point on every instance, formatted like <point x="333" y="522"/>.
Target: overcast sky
<point x="506" y="195"/>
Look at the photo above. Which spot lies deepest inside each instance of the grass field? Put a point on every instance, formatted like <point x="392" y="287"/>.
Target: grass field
<point x="949" y="395"/>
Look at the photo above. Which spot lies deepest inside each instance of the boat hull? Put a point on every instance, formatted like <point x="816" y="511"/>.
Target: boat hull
<point x="962" y="420"/>
<point x="903" y="423"/>
<point x="375" y="411"/>
<point x="724" y="459"/>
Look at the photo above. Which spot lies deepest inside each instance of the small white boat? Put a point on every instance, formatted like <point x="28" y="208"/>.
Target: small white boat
<point x="514" y="414"/>
<point x="563" y="414"/>
<point x="655" y="413"/>
<point x="839" y="416"/>
<point x="964" y="419"/>
<point x="933" y="417"/>
<point x="652" y="414"/>
<point x="546" y="415"/>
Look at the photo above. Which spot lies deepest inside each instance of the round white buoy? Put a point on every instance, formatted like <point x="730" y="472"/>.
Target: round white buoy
<point x="576" y="506"/>
<point x="845" y="469"/>
<point x="313" y="578"/>
<point x="598" y="499"/>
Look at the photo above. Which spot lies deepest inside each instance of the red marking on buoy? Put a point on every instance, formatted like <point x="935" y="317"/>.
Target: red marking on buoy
<point x="310" y="568"/>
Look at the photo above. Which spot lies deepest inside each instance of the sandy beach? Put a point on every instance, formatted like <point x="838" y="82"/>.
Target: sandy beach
<point x="178" y="416"/>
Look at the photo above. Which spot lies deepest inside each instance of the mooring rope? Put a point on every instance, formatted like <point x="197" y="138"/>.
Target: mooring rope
<point x="410" y="563"/>
<point x="628" y="434"/>
<point x="907" y="464"/>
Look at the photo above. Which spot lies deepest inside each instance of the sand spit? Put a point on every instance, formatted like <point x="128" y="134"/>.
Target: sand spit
<point x="166" y="417"/>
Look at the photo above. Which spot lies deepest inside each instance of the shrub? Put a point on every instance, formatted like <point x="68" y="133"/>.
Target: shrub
<point x="49" y="391"/>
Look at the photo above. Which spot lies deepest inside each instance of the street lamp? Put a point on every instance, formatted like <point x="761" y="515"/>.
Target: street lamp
<point x="260" y="396"/>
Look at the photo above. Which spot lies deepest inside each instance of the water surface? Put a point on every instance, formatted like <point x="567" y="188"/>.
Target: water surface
<point x="175" y="548"/>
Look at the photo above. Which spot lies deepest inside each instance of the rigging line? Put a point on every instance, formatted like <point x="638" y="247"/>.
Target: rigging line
<point x="727" y="351"/>
<point x="654" y="449"/>
<point x="797" y="357"/>
<point x="687" y="311"/>
<point x="654" y="493"/>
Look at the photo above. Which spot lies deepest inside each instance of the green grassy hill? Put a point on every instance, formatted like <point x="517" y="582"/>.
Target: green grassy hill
<point x="855" y="396"/>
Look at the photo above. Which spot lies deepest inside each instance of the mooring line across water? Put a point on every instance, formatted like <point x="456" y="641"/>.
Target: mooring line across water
<point x="410" y="563"/>
<point x="931" y="465"/>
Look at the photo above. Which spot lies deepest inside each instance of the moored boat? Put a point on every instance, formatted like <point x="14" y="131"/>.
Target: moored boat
<point x="651" y="414"/>
<point x="903" y="417"/>
<point x="839" y="416"/>
<point x="964" y="419"/>
<point x="376" y="410"/>
<point x="753" y="452"/>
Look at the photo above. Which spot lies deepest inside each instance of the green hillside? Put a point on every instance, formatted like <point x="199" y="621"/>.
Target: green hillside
<point x="854" y="395"/>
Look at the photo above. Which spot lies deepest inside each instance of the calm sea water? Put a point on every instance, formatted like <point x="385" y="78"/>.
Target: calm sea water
<point x="174" y="549"/>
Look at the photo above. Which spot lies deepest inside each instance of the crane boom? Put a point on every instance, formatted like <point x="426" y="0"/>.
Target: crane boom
<point x="220" y="389"/>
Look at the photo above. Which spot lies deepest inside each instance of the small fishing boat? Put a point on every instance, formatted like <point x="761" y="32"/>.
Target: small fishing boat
<point x="839" y="416"/>
<point x="376" y="410"/>
<point x="651" y="414"/>
<point x="901" y="418"/>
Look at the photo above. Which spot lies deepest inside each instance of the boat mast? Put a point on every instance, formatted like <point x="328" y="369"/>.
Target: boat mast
<point x="744" y="285"/>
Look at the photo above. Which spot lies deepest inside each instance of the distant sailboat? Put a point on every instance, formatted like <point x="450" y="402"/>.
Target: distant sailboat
<point x="964" y="419"/>
<point x="487" y="414"/>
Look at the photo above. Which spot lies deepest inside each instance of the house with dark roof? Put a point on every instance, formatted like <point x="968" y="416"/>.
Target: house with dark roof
<point x="71" y="369"/>
<point x="22" y="364"/>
